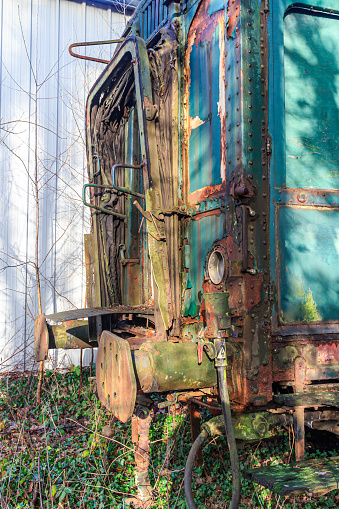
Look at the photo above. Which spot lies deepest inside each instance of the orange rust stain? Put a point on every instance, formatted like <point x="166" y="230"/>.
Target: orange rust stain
<point x="201" y="29"/>
<point x="328" y="353"/>
<point x="233" y="12"/>
<point x="222" y="101"/>
<point x="253" y="288"/>
<point x="187" y="320"/>
<point x="207" y="192"/>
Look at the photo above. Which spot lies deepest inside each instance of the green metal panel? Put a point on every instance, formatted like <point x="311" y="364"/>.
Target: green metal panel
<point x="201" y="234"/>
<point x="312" y="100"/>
<point x="304" y="121"/>
<point x="308" y="260"/>
<point x="204" y="147"/>
<point x="205" y="140"/>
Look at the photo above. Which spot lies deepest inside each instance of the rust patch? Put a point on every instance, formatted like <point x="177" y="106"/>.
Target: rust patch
<point x="253" y="288"/>
<point x="328" y="353"/>
<point x="233" y="12"/>
<point x="207" y="192"/>
<point x="116" y="384"/>
<point x="203" y="25"/>
<point x="41" y="339"/>
<point x="222" y="101"/>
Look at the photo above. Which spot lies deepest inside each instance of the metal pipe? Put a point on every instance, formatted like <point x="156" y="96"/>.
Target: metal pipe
<point x="226" y="410"/>
<point x="211" y="408"/>
<point x="165" y="366"/>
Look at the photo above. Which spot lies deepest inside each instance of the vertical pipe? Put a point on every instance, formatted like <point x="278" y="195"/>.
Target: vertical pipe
<point x="142" y="457"/>
<point x="195" y="430"/>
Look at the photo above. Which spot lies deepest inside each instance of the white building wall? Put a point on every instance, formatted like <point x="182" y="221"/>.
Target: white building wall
<point x="42" y="138"/>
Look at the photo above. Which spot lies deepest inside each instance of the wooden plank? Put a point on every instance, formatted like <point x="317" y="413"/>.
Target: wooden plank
<point x="329" y="398"/>
<point x="311" y="476"/>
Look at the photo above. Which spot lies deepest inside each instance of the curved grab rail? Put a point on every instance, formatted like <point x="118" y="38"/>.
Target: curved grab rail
<point x="124" y="189"/>
<point x="94" y="43"/>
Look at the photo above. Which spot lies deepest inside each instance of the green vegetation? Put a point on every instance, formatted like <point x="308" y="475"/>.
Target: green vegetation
<point x="55" y="456"/>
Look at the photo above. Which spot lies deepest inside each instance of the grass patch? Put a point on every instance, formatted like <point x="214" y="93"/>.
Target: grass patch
<point x="54" y="455"/>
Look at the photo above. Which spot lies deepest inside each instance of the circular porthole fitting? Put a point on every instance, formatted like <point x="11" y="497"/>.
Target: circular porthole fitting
<point x="216" y="267"/>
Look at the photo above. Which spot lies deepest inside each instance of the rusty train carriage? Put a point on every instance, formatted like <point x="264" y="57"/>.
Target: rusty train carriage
<point x="213" y="182"/>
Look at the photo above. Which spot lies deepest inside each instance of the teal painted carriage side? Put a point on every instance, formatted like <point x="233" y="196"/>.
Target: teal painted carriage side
<point x="304" y="122"/>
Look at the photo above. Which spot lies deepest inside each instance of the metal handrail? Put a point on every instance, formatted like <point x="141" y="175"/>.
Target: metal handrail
<point x="93" y="43"/>
<point x="124" y="189"/>
<point x="101" y="209"/>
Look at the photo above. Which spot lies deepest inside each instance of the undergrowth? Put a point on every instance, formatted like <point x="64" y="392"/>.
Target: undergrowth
<point x="55" y="456"/>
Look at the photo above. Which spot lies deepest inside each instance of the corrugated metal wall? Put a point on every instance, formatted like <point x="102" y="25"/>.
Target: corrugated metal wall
<point x="42" y="97"/>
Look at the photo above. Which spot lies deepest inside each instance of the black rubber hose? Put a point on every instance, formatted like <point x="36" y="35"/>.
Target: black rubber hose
<point x="189" y="468"/>
<point x="226" y="410"/>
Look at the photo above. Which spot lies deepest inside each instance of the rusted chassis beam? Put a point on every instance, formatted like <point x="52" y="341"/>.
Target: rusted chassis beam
<point x="70" y="334"/>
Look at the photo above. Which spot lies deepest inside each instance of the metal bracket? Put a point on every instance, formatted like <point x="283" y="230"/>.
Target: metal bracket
<point x="123" y="260"/>
<point x="151" y="110"/>
<point x="101" y="209"/>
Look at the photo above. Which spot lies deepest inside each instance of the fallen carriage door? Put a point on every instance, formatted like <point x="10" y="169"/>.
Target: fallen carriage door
<point x="305" y="177"/>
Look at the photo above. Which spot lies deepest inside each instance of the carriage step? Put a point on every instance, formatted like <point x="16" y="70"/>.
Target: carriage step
<point x="313" y="477"/>
<point x="309" y="399"/>
<point x="77" y="314"/>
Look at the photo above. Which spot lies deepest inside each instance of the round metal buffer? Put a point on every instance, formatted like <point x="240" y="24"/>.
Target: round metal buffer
<point x="41" y="339"/>
<point x="116" y="383"/>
